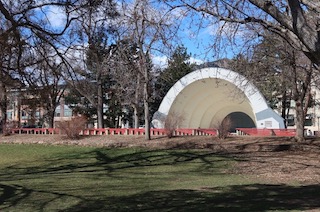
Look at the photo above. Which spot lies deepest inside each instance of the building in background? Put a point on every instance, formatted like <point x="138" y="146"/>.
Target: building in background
<point x="312" y="119"/>
<point x="25" y="111"/>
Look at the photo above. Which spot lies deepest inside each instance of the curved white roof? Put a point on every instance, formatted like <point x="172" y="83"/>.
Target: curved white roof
<point x="208" y="95"/>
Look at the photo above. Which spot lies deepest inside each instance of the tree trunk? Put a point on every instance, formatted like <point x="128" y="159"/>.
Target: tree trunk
<point x="284" y="107"/>
<point x="146" y="111"/>
<point x="50" y="118"/>
<point x="100" y="105"/>
<point x="135" y="116"/>
<point x="146" y="99"/>
<point x="3" y="105"/>
<point x="18" y="108"/>
<point x="300" y="119"/>
<point x="51" y="107"/>
<point x="136" y="102"/>
<point x="302" y="105"/>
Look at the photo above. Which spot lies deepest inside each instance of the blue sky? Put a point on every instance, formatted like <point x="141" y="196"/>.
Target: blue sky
<point x="196" y="40"/>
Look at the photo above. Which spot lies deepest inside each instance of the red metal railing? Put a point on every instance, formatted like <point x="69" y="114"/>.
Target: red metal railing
<point x="266" y="132"/>
<point x="160" y="132"/>
<point x="115" y="131"/>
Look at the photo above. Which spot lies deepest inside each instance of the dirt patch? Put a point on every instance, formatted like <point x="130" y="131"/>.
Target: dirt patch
<point x="271" y="159"/>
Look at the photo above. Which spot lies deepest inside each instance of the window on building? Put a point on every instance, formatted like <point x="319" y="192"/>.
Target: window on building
<point x="288" y="103"/>
<point x="37" y="114"/>
<point x="67" y="112"/>
<point x="24" y="115"/>
<point x="309" y="120"/>
<point x="9" y="115"/>
<point x="290" y="120"/>
<point x="57" y="112"/>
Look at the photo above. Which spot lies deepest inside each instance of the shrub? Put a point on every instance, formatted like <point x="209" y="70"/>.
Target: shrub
<point x="8" y="126"/>
<point x="172" y="122"/>
<point x="73" y="127"/>
<point x="224" y="127"/>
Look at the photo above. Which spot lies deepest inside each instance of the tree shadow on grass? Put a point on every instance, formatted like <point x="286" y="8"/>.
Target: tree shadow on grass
<point x="255" y="197"/>
<point x="100" y="163"/>
<point x="102" y="160"/>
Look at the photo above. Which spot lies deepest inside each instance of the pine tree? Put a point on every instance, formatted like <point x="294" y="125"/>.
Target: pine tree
<point x="178" y="67"/>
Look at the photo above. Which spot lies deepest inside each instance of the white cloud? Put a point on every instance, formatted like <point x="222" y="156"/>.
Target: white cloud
<point x="56" y="17"/>
<point x="160" y="61"/>
<point x="196" y="61"/>
<point x="225" y="29"/>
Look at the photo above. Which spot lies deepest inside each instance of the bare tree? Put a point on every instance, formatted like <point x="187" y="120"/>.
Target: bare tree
<point x="279" y="70"/>
<point x="294" y="72"/>
<point x="23" y="24"/>
<point x="152" y="28"/>
<point x="172" y="122"/>
<point x="295" y="21"/>
<point x="302" y="72"/>
<point x="94" y="45"/>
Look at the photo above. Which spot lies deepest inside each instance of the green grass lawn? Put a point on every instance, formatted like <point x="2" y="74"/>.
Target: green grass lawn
<point x="74" y="178"/>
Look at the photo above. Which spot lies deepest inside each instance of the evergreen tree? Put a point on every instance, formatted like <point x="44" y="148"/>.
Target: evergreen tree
<point x="178" y="67"/>
<point x="96" y="36"/>
<point x="128" y="80"/>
